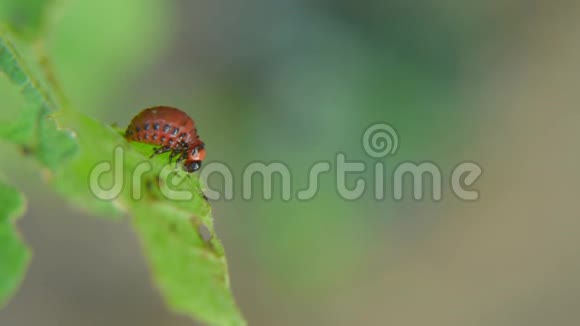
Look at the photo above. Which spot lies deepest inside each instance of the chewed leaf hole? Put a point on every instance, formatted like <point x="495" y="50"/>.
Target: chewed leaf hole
<point x="204" y="232"/>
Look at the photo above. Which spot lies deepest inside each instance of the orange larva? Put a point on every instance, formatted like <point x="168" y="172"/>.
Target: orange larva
<point x="173" y="130"/>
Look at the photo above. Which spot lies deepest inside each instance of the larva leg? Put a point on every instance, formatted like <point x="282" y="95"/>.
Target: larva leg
<point x="161" y="150"/>
<point x="173" y="154"/>
<point x="181" y="158"/>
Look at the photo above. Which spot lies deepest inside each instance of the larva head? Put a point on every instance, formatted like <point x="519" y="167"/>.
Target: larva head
<point x="194" y="158"/>
<point x="192" y="166"/>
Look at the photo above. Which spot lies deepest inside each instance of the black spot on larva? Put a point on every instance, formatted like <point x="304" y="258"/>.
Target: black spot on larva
<point x="163" y="139"/>
<point x="171" y="142"/>
<point x="175" y="132"/>
<point x="137" y="129"/>
<point x="154" y="137"/>
<point x="166" y="128"/>
<point x="156" y="126"/>
<point x="146" y="126"/>
<point x="182" y="136"/>
<point x="146" y="136"/>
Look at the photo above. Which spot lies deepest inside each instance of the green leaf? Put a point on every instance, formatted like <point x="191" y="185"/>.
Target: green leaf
<point x="178" y="237"/>
<point x="33" y="127"/>
<point x="185" y="263"/>
<point x="14" y="255"/>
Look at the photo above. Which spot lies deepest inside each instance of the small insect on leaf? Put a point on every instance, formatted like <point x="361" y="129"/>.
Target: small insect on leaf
<point x="178" y="136"/>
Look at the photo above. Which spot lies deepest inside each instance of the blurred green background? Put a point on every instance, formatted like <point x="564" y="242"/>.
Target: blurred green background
<point x="488" y="81"/>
